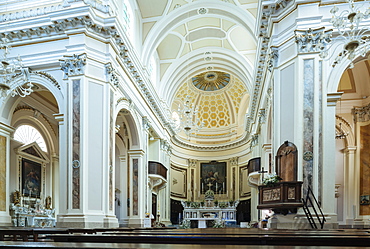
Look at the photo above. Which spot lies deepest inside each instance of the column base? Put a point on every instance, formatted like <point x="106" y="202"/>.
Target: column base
<point x="299" y="221"/>
<point x="86" y="221"/>
<point x="5" y="219"/>
<point x="135" y="222"/>
<point x="123" y="222"/>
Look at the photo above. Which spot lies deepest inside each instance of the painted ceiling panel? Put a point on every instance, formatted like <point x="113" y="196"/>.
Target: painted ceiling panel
<point x="345" y="82"/>
<point x="204" y="22"/>
<point x="146" y="28"/>
<point x="151" y="8"/>
<point x="163" y="68"/>
<point x="239" y="36"/>
<point x="176" y="4"/>
<point x="251" y="57"/>
<point x="226" y="25"/>
<point x="204" y="33"/>
<point x="207" y="43"/>
<point x="247" y="1"/>
<point x="169" y="47"/>
<point x="227" y="44"/>
<point x="181" y="30"/>
<point x="186" y="49"/>
<point x="253" y="11"/>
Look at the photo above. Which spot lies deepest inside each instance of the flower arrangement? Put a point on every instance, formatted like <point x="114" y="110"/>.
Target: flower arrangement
<point x="271" y="180"/>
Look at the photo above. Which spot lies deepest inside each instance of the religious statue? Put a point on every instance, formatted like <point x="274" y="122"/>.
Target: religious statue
<point x="48" y="202"/>
<point x="16" y="197"/>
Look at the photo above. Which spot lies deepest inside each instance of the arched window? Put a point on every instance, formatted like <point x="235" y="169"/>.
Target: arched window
<point x="152" y="70"/>
<point x="127" y="18"/>
<point x="27" y="134"/>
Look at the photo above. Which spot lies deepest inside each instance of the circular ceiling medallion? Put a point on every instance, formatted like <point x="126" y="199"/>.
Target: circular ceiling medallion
<point x="211" y="81"/>
<point x="202" y="11"/>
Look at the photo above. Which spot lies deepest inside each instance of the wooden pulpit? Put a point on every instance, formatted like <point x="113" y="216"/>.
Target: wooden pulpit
<point x="284" y="196"/>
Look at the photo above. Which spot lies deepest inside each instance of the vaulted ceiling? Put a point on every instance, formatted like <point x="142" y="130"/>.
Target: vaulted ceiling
<point x="195" y="40"/>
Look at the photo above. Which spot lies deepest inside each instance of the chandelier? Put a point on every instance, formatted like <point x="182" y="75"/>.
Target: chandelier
<point x="340" y="134"/>
<point x="350" y="34"/>
<point x="10" y="70"/>
<point x="189" y="121"/>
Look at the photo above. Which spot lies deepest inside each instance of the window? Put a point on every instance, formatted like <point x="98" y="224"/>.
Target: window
<point x="27" y="134"/>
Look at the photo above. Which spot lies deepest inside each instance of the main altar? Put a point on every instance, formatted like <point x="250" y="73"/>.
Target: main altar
<point x="209" y="213"/>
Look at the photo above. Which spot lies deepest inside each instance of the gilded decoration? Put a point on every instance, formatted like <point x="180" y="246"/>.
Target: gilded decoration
<point x="211" y="81"/>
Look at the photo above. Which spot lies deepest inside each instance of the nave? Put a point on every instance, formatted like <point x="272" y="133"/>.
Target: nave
<point x="228" y="238"/>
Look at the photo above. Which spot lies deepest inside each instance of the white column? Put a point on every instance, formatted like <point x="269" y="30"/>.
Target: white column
<point x="328" y="169"/>
<point x="55" y="183"/>
<point x="5" y="131"/>
<point x="138" y="186"/>
<point x="123" y="178"/>
<point x="350" y="188"/>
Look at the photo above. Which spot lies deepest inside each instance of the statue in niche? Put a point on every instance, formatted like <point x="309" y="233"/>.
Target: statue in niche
<point x="286" y="161"/>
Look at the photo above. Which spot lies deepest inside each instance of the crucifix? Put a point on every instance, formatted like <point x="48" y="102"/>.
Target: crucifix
<point x="262" y="171"/>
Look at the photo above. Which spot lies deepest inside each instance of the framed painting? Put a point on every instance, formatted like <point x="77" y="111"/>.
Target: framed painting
<point x="31" y="178"/>
<point x="213" y="176"/>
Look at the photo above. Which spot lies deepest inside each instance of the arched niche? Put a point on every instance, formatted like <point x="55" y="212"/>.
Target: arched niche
<point x="31" y="180"/>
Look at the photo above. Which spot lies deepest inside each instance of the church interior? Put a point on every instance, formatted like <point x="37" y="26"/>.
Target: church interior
<point x="149" y="116"/>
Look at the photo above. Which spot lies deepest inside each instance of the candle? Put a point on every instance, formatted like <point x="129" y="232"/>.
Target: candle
<point x="223" y="187"/>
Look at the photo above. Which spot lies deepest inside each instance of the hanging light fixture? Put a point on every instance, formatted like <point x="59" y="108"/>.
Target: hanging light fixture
<point x="350" y="34"/>
<point x="340" y="134"/>
<point x="10" y="70"/>
<point x="188" y="117"/>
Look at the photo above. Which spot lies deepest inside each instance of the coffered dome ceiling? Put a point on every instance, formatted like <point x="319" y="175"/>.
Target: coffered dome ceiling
<point x="206" y="49"/>
<point x="221" y="105"/>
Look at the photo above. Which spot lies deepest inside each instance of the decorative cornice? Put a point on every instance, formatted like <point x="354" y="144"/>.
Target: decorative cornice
<point x="237" y="143"/>
<point x="47" y="76"/>
<point x="59" y="27"/>
<point x="35" y="12"/>
<point x="312" y="40"/>
<point x="73" y="65"/>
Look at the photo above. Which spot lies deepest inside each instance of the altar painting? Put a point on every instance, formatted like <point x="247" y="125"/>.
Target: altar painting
<point x="213" y="176"/>
<point x="31" y="178"/>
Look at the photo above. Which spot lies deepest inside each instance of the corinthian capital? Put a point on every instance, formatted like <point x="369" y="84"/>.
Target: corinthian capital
<point x="73" y="65"/>
<point x="312" y="40"/>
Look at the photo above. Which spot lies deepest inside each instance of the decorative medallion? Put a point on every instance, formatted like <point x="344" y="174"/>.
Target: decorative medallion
<point x="307" y="156"/>
<point x="76" y="164"/>
<point x="202" y="11"/>
<point x="211" y="81"/>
